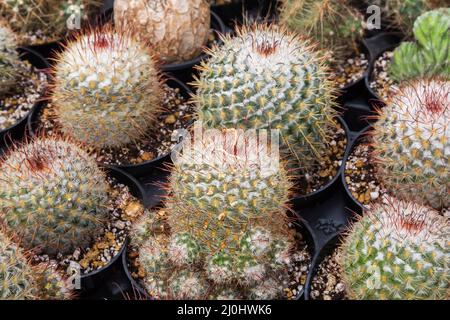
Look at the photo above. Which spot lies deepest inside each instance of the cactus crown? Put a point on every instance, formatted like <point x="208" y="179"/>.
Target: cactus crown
<point x="268" y="78"/>
<point x="107" y="89"/>
<point x="53" y="195"/>
<point x="411" y="141"/>
<point x="227" y="223"/>
<point x="398" y="250"/>
<point x="430" y="54"/>
<point x="334" y="24"/>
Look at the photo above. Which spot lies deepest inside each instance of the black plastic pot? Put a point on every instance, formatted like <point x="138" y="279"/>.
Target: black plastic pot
<point x="138" y="170"/>
<point x="97" y="279"/>
<point x="377" y="45"/>
<point x="323" y="193"/>
<point x="16" y="132"/>
<point x="252" y="9"/>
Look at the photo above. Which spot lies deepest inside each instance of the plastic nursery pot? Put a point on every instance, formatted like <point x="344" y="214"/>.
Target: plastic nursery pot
<point x="137" y="292"/>
<point x="184" y="70"/>
<point x="16" y="131"/>
<point x="97" y="279"/>
<point x="323" y="192"/>
<point x="356" y="115"/>
<point x="138" y="170"/>
<point x="236" y="11"/>
<point x="378" y="45"/>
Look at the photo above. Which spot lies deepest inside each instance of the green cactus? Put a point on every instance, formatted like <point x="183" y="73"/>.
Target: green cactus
<point x="53" y="195"/>
<point x="430" y="54"/>
<point x="52" y="286"/>
<point x="226" y="224"/>
<point x="411" y="141"/>
<point x="268" y="78"/>
<point x="397" y="250"/>
<point x="334" y="24"/>
<point x="41" y="21"/>
<point x="10" y="63"/>
<point x="107" y="89"/>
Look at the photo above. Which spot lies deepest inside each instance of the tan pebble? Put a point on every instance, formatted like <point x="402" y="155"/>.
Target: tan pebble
<point x="170" y="119"/>
<point x="134" y="209"/>
<point x="110" y="236"/>
<point x="147" y="156"/>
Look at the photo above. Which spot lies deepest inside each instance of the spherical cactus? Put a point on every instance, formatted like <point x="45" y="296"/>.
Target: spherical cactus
<point x="16" y="274"/>
<point x="10" y="63"/>
<point x="107" y="89"/>
<point x="411" y="141"/>
<point x="187" y="285"/>
<point x="52" y="285"/>
<point x="177" y="29"/>
<point x="430" y="54"/>
<point x="52" y="195"/>
<point x="39" y="21"/>
<point x="397" y="250"/>
<point x="335" y="24"/>
<point x="268" y="78"/>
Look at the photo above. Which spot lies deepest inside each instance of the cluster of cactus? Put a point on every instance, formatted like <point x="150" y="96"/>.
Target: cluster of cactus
<point x="411" y="141"/>
<point x="268" y="78"/>
<point x="107" y="89"/>
<point x="397" y="250"/>
<point x="334" y="24"/>
<point x="226" y="233"/>
<point x="176" y="29"/>
<point x="430" y="54"/>
<point x="39" y="21"/>
<point x="53" y="196"/>
<point x="19" y="280"/>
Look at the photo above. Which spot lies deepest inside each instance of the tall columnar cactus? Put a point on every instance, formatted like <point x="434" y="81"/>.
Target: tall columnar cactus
<point x="10" y="63"/>
<point x="39" y="21"/>
<point x="176" y="29"/>
<point x="411" y="141"/>
<point x="267" y="77"/>
<point x="53" y="195"/>
<point x="334" y="24"/>
<point x="397" y="250"/>
<point x="430" y="54"/>
<point x="227" y="227"/>
<point x="107" y="89"/>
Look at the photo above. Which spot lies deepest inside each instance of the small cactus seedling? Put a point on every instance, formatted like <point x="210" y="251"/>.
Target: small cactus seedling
<point x="430" y="54"/>
<point x="411" y="141"/>
<point x="397" y="250"/>
<point x="226" y="228"/>
<point x="39" y="21"/>
<point x="176" y="29"/>
<point x="52" y="195"/>
<point x="107" y="89"/>
<point x="334" y="24"/>
<point x="268" y="78"/>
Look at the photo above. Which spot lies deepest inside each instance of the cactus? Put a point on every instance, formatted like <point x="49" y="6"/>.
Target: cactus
<point x="176" y="29"/>
<point x="226" y="225"/>
<point x="10" y="63"/>
<point x="52" y="286"/>
<point x="334" y="24"/>
<point x="40" y="21"/>
<point x="53" y="195"/>
<point x="411" y="141"/>
<point x="107" y="89"/>
<point x="430" y="54"/>
<point x="397" y="250"/>
<point x="268" y="78"/>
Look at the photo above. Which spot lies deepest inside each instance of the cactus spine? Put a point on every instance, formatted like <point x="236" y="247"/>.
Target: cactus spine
<point x="177" y="29"/>
<point x="411" y="141"/>
<point x="397" y="250"/>
<point x="268" y="78"/>
<point x="430" y="54"/>
<point x="53" y="195"/>
<point x="107" y="89"/>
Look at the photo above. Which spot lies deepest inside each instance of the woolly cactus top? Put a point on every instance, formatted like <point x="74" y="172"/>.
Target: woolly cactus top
<point x="398" y="250"/>
<point x="107" y="89"/>
<point x="8" y="39"/>
<point x="53" y="195"/>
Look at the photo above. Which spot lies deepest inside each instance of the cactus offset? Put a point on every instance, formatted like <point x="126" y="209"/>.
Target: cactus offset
<point x="107" y="89"/>
<point x="334" y="24"/>
<point x="268" y="78"/>
<point x="53" y="195"/>
<point x="430" y="54"/>
<point x="176" y="29"/>
<point x="40" y="21"/>
<point x="411" y="141"/>
<point x="397" y="250"/>
<point x="226" y="224"/>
